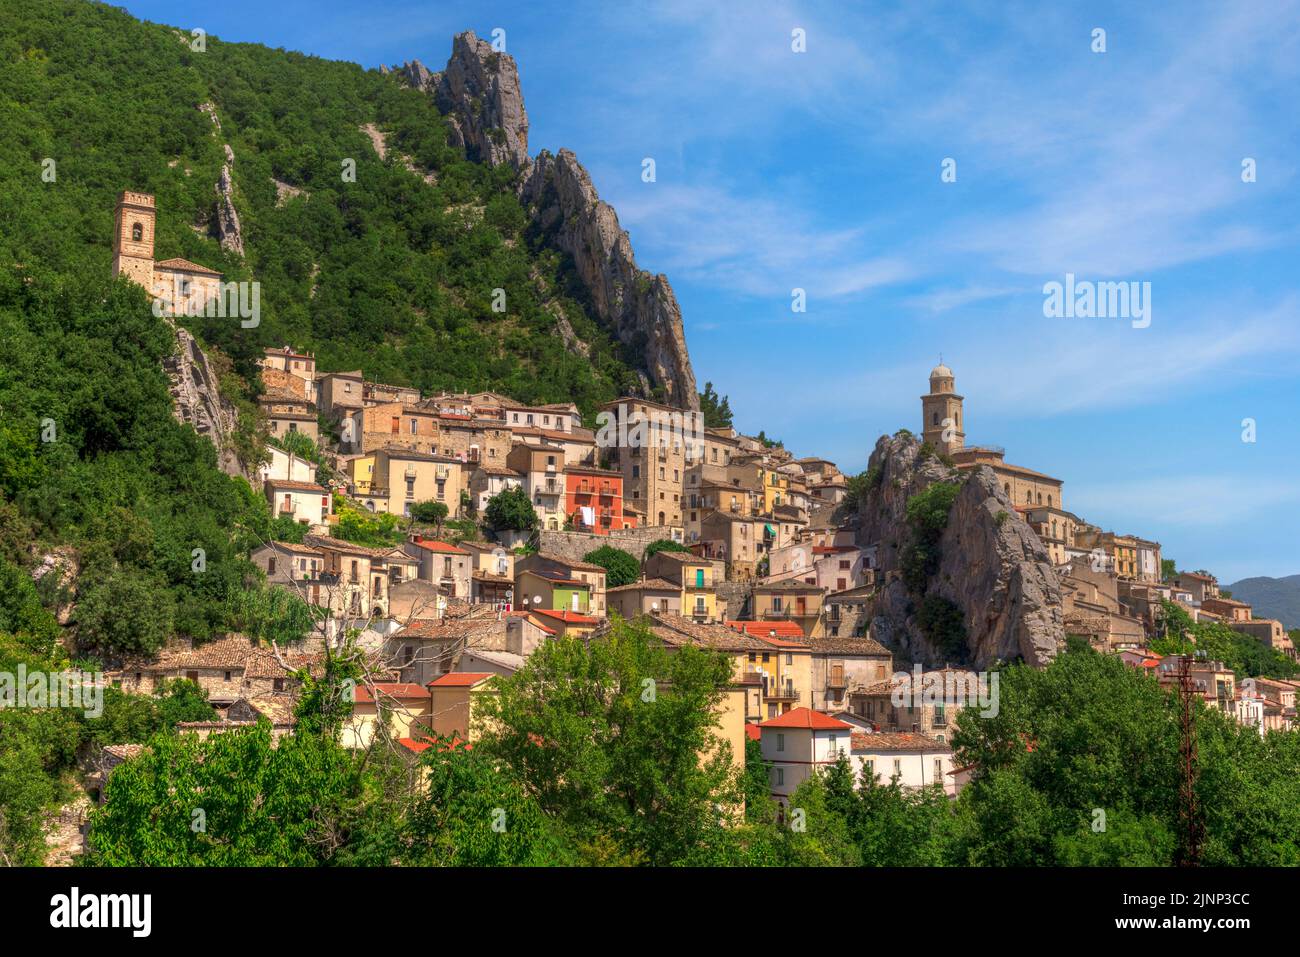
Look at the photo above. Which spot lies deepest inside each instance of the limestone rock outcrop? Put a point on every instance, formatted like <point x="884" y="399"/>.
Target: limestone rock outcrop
<point x="480" y="95"/>
<point x="638" y="307"/>
<point x="228" y="229"/>
<point x="993" y="567"/>
<point x="197" y="399"/>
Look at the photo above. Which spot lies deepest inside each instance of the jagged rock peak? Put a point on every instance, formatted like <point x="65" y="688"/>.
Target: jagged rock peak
<point x="637" y="306"/>
<point x="993" y="567"/>
<point x="479" y="93"/>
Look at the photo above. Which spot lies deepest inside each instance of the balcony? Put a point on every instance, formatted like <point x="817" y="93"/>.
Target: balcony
<point x="781" y="693"/>
<point x="837" y="679"/>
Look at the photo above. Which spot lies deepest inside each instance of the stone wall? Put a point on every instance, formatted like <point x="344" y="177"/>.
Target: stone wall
<point x="573" y="545"/>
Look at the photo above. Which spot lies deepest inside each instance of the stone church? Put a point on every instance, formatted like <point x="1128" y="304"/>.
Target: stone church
<point x="942" y="426"/>
<point x="184" y="287"/>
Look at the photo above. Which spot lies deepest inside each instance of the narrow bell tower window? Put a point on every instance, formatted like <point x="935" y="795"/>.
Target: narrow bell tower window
<point x="137" y="232"/>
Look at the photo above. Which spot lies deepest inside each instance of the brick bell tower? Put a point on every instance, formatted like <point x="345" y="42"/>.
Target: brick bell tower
<point x="941" y="411"/>
<point x="133" y="238"/>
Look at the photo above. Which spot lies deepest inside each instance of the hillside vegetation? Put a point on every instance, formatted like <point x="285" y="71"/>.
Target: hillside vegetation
<point x="393" y="272"/>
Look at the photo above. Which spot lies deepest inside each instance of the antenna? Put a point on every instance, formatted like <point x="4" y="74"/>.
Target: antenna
<point x="1189" y="854"/>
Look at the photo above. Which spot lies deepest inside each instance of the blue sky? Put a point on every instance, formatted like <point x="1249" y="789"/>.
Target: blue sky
<point x="821" y="170"/>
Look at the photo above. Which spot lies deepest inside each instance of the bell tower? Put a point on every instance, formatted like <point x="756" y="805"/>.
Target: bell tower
<point x="941" y="412"/>
<point x="133" y="238"/>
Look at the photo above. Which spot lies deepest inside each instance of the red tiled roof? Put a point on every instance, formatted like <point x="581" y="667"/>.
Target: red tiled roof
<point x="459" y="679"/>
<point x="570" y="617"/>
<point x="763" y="629"/>
<point x="437" y="546"/>
<point x="752" y="731"/>
<point x="806" y="718"/>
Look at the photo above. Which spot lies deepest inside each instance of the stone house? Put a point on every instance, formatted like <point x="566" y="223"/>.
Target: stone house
<point x="839" y="664"/>
<point x="915" y="760"/>
<point x="560" y="581"/>
<point x="446" y="565"/>
<point x="304" y="502"/>
<point x="488" y="481"/>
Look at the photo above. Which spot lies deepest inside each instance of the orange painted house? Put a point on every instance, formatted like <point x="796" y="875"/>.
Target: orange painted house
<point x="593" y="499"/>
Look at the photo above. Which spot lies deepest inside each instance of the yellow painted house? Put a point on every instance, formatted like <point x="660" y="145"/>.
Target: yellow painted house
<point x="776" y="488"/>
<point x="695" y="576"/>
<point x="775" y="673"/>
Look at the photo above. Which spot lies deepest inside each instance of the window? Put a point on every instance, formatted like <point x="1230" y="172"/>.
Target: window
<point x="898" y="767"/>
<point x="780" y="775"/>
<point x="396" y="424"/>
<point x="415" y="426"/>
<point x="834" y="745"/>
<point x="270" y="565"/>
<point x="780" y="742"/>
<point x="938" y="770"/>
<point x="137" y="232"/>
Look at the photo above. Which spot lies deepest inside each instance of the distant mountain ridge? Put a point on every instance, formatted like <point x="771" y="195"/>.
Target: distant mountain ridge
<point x="1271" y="597"/>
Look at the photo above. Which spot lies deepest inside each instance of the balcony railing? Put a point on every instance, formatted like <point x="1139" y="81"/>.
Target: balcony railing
<point x="781" y="693"/>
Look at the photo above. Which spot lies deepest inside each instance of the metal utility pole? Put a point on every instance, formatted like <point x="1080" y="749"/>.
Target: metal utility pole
<point x="1189" y="851"/>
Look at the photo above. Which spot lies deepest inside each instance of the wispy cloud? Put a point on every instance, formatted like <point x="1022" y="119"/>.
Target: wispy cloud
<point x="756" y="247"/>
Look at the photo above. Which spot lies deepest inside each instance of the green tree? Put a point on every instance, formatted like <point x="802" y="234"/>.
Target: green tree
<point x="616" y="739"/>
<point x="510" y="510"/>
<point x="474" y="812"/>
<point x="715" y="410"/>
<point x="663" y="545"/>
<point x="432" y="513"/>
<point x="174" y="804"/>
<point x="182" y="700"/>
<point x="123" y="611"/>
<point x="620" y="567"/>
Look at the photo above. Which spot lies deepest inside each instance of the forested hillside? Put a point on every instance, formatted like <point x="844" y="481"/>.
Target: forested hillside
<point x="392" y="272"/>
<point x="114" y="519"/>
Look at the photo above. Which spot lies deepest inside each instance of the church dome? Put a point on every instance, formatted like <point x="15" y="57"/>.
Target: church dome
<point x="941" y="372"/>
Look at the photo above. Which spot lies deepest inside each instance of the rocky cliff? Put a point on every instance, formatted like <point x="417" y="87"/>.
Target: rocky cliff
<point x="197" y="400"/>
<point x="480" y="95"/>
<point x="991" y="567"/>
<point x="639" y="307"/>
